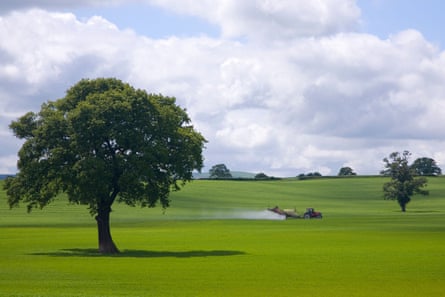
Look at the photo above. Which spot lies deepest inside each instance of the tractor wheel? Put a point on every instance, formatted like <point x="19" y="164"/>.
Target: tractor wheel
<point x="306" y="216"/>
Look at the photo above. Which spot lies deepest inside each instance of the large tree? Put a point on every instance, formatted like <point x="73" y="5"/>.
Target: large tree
<point x="426" y="166"/>
<point x="104" y="142"/>
<point x="403" y="184"/>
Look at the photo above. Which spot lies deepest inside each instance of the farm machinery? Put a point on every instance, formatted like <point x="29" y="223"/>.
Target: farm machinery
<point x="312" y="214"/>
<point x="292" y="213"/>
<point x="288" y="213"/>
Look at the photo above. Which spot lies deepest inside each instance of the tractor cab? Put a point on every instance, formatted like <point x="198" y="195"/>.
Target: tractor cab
<point x="311" y="213"/>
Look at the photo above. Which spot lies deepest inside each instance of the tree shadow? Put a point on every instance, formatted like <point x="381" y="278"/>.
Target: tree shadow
<point x="418" y="211"/>
<point x="140" y="253"/>
<point x="423" y="211"/>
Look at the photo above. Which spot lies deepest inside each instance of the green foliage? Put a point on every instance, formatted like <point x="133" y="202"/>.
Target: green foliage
<point x="261" y="175"/>
<point x="403" y="185"/>
<point x="309" y="175"/>
<point x="219" y="171"/>
<point x="346" y="171"/>
<point x="103" y="141"/>
<point x="426" y="166"/>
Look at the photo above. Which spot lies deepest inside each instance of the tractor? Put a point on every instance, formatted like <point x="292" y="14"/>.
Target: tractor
<point x="312" y="214"/>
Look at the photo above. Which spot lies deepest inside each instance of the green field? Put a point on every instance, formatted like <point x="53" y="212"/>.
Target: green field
<point x="203" y="246"/>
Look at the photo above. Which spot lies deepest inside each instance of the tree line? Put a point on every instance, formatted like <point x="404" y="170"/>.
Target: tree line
<point x="420" y="167"/>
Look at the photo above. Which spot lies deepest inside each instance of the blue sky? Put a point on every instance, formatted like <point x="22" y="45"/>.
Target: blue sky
<point x="282" y="87"/>
<point x="383" y="18"/>
<point x="152" y="21"/>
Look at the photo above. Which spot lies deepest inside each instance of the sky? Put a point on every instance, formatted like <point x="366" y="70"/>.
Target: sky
<point x="281" y="87"/>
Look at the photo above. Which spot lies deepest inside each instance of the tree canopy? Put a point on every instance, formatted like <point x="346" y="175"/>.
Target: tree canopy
<point x="426" y="166"/>
<point x="104" y="142"/>
<point x="261" y="175"/>
<point x="403" y="184"/>
<point x="309" y="175"/>
<point x="219" y="171"/>
<point x="346" y="171"/>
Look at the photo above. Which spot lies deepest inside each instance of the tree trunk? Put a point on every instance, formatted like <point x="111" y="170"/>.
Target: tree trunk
<point x="403" y="206"/>
<point x="106" y="244"/>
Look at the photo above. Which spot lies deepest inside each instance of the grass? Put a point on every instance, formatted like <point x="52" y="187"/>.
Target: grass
<point x="364" y="246"/>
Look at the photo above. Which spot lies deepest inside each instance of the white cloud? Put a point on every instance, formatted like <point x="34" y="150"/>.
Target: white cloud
<point x="313" y="102"/>
<point x="246" y="129"/>
<point x="269" y="20"/>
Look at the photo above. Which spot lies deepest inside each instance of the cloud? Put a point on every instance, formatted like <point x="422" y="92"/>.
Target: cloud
<point x="8" y="6"/>
<point x="310" y="101"/>
<point x="268" y="20"/>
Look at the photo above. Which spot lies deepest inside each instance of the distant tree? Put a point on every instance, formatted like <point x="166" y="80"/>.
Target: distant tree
<point x="261" y="176"/>
<point x="346" y="171"/>
<point x="219" y="171"/>
<point x="104" y="142"/>
<point x="403" y="185"/>
<point x="426" y="166"/>
<point x="303" y="176"/>
<point x="316" y="173"/>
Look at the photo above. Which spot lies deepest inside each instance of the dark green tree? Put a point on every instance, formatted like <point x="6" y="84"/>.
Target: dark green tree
<point x="104" y="142"/>
<point x="426" y="166"/>
<point x="261" y="175"/>
<point x="403" y="184"/>
<point x="316" y="173"/>
<point x="219" y="171"/>
<point x="346" y="171"/>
